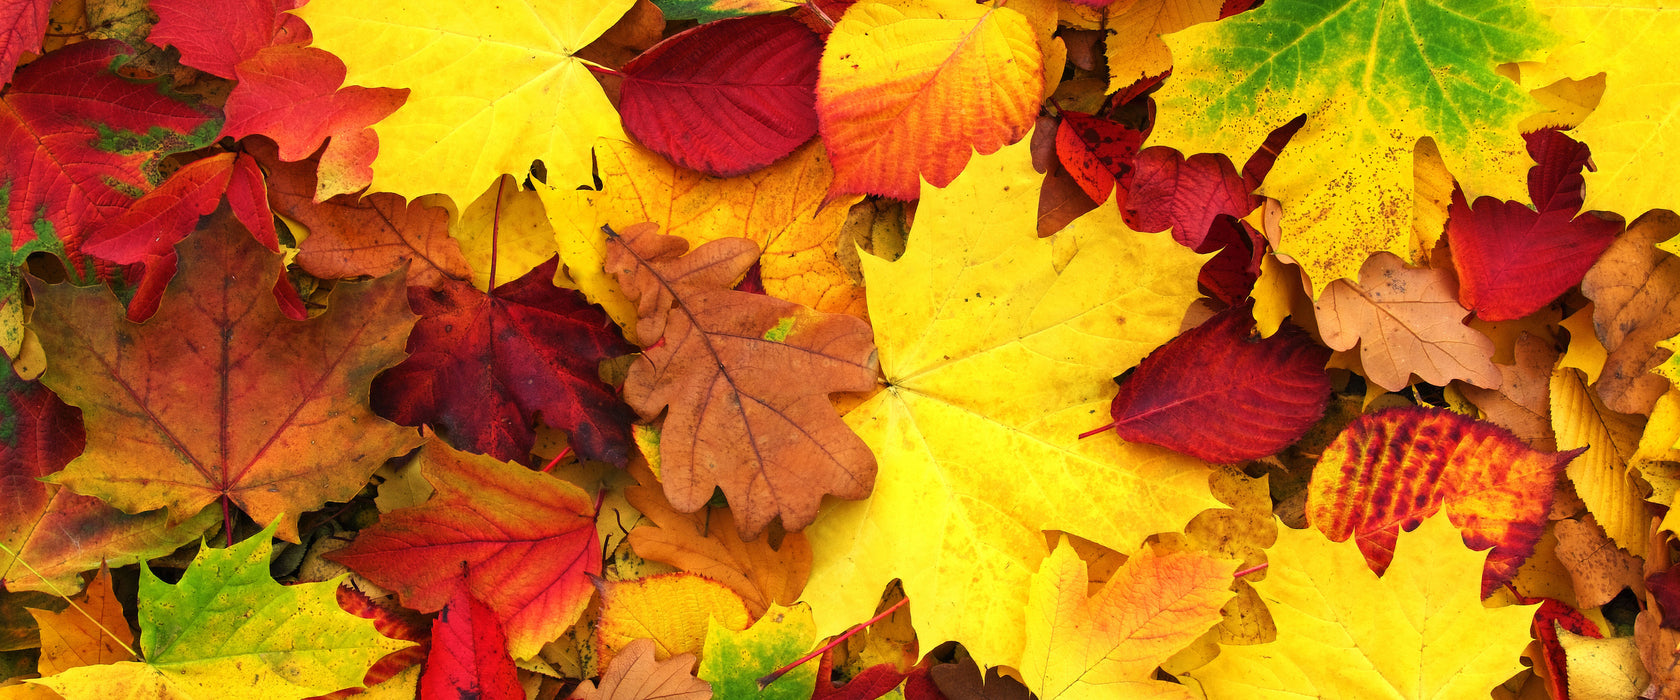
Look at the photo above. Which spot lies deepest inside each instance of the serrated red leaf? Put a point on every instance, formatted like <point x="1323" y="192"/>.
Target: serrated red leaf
<point x="469" y="657"/>
<point x="528" y="540"/>
<point x="483" y="368"/>
<point x="215" y="36"/>
<point x="78" y="143"/>
<point x="1394" y="468"/>
<point x="1185" y="195"/>
<point x="1215" y="394"/>
<point x="727" y="97"/>
<point x="1098" y="153"/>
<point x="1512" y="259"/>
<point x="22" y="24"/>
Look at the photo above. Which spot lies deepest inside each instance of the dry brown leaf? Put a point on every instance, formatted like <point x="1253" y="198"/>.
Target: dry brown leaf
<point x="635" y="675"/>
<point x="1599" y="568"/>
<point x="1659" y="650"/>
<point x="1406" y="321"/>
<point x="706" y="543"/>
<point x="1523" y="404"/>
<point x="746" y="378"/>
<point x="1635" y="290"/>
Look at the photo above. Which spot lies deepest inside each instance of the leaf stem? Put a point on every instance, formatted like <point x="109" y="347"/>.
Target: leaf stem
<point x="495" y="235"/>
<point x="598" y="68"/>
<point x="778" y="673"/>
<point x="557" y="459"/>
<point x="818" y="11"/>
<point x="60" y="593"/>
<point x="1249" y="570"/>
<point x="1103" y="429"/>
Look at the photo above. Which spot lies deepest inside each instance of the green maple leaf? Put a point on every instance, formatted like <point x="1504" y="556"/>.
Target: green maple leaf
<point x="1373" y="77"/>
<point x="229" y="630"/>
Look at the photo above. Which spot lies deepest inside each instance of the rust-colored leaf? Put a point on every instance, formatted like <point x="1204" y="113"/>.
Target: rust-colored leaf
<point x="1406" y="321"/>
<point x="1635" y="288"/>
<point x="1392" y="469"/>
<point x="528" y="540"/>
<point x="1523" y="403"/>
<point x="746" y="379"/>
<point x="220" y="395"/>
<point x="635" y="675"/>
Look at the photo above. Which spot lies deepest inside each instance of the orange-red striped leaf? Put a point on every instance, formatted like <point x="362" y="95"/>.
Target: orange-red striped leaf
<point x="1393" y="468"/>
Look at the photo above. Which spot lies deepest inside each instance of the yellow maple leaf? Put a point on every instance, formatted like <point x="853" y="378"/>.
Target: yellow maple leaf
<point x="1419" y="631"/>
<point x="1635" y="131"/>
<point x="907" y="89"/>
<point x="504" y="232"/>
<point x="999" y="348"/>
<point x="492" y="87"/>
<point x="1112" y="642"/>
<point x="1134" y="45"/>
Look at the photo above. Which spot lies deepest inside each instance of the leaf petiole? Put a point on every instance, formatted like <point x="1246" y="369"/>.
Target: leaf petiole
<point x="819" y="651"/>
<point x="60" y="593"/>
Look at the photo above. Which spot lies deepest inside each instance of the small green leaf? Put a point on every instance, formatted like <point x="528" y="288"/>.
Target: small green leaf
<point x="734" y="661"/>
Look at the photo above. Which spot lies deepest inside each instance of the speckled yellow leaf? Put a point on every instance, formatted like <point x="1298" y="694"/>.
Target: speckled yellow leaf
<point x="1602" y="475"/>
<point x="1373" y="77"/>
<point x="999" y="348"/>
<point x="1420" y="631"/>
<point x="670" y="609"/>
<point x="906" y="90"/>
<point x="1081" y="646"/>
<point x="779" y="208"/>
<point x="493" y="86"/>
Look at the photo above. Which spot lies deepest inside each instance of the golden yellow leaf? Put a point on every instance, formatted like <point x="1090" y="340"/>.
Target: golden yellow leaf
<point x="1603" y="477"/>
<point x="505" y="231"/>
<point x="1585" y="351"/>
<point x="493" y="86"/>
<point x="1419" y="631"/>
<point x="93" y="631"/>
<point x="1111" y="642"/>
<point x="1602" y="669"/>
<point x="1135" y="48"/>
<point x="998" y="349"/>
<point x="908" y="89"/>
<point x="670" y="609"/>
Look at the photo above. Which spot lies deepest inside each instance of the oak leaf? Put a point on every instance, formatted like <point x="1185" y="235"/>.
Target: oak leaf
<point x="58" y="532"/>
<point x="229" y="630"/>
<point x="674" y="610"/>
<point x="1602" y="476"/>
<point x="1390" y="470"/>
<point x="1091" y="646"/>
<point x="220" y="396"/>
<point x="908" y="91"/>
<point x="708" y="544"/>
<point x="1635" y="288"/>
<point x="469" y="656"/>
<point x="522" y="96"/>
<point x="1218" y="395"/>
<point x="1406" y="321"/>
<point x="1522" y="404"/>
<point x="1419" y="631"/>
<point x="735" y="660"/>
<point x="527" y="538"/>
<point x="745" y="379"/>
<point x="725" y="98"/>
<point x="1349" y="171"/>
<point x="998" y="349"/>
<point x="483" y="368"/>
<point x="635" y="675"/>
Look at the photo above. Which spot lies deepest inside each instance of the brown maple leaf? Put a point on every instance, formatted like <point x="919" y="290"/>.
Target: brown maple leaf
<point x="746" y="379"/>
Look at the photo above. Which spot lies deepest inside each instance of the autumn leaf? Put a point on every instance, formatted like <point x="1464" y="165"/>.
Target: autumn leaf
<point x="506" y="226"/>
<point x="1522" y="404"/>
<point x="93" y="631"/>
<point x="1081" y="646"/>
<point x="708" y="10"/>
<point x="1390" y="470"/>
<point x="734" y="661"/>
<point x="1184" y="194"/>
<point x="1419" y="631"/>
<point x="674" y="610"/>
<point x="527" y="540"/>
<point x="216" y="38"/>
<point x="1097" y="152"/>
<point x="1134" y="47"/>
<point x="1406" y="321"/>
<point x="998" y="350"/>
<point x="483" y="368"/>
<point x="635" y="675"/>
<point x="52" y="529"/>
<point x="744" y="381"/>
<point x="1635" y="288"/>
<point x="725" y="98"/>
<point x="1512" y="259"/>
<point x="1220" y="396"/>
<point x="469" y="657"/>
<point x="220" y="396"/>
<point x="1342" y="63"/>
<point x="25" y="22"/>
<point x="228" y="630"/>
<point x="908" y="90"/>
<point x="1602" y="476"/>
<point x="522" y="96"/>
<point x="361" y="236"/>
<point x="707" y="543"/>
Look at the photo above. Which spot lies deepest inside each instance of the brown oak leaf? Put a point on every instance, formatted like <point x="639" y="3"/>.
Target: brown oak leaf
<point x="1635" y="288"/>
<point x="746" y="379"/>
<point x="1406" y="321"/>
<point x="634" y="674"/>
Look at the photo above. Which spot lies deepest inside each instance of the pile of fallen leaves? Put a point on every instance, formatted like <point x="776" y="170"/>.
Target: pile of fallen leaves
<point x="839" y="350"/>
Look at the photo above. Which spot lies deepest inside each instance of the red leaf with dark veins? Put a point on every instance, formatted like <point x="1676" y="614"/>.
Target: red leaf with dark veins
<point x="1511" y="259"/>
<point x="1185" y="195"/>
<point x="22" y="25"/>
<point x="727" y="97"/>
<point x="78" y="144"/>
<point x="1097" y="152"/>
<point x="483" y="368"/>
<point x="215" y="36"/>
<point x="1215" y="394"/>
<point x="469" y="657"/>
<point x="1230" y="275"/>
